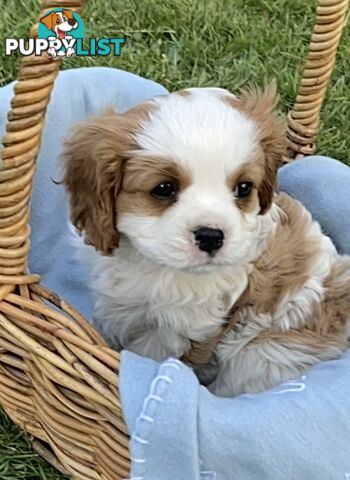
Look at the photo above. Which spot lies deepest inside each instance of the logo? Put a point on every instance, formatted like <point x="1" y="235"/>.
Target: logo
<point x="61" y="28"/>
<point x="61" y="33"/>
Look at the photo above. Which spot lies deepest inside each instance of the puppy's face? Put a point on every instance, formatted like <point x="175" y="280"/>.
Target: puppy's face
<point x="184" y="177"/>
<point x="60" y="22"/>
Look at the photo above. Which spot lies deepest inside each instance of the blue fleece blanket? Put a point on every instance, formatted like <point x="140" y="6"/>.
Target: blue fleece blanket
<point x="297" y="431"/>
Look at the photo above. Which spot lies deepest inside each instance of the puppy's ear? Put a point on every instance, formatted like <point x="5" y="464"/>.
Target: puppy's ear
<point x="69" y="13"/>
<point x="49" y="20"/>
<point x="260" y="106"/>
<point x="93" y="161"/>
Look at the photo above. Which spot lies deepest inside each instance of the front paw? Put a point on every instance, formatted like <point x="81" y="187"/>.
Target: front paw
<point x="52" y="52"/>
<point x="70" y="52"/>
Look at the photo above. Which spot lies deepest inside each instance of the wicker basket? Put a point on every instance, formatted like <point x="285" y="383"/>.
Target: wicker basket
<point x="58" y="378"/>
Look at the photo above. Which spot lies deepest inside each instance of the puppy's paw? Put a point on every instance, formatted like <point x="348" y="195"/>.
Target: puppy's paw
<point x="70" y="52"/>
<point x="52" y="52"/>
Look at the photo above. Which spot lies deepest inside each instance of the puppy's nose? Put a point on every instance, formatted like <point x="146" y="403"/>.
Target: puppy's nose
<point x="71" y="22"/>
<point x="209" y="239"/>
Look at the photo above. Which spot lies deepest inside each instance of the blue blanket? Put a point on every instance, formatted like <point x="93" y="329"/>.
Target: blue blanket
<point x="297" y="431"/>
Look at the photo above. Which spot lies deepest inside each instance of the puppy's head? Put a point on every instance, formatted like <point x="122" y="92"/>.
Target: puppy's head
<point x="60" y="22"/>
<point x="184" y="177"/>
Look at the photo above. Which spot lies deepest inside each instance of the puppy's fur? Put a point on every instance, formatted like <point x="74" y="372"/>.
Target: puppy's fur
<point x="277" y="279"/>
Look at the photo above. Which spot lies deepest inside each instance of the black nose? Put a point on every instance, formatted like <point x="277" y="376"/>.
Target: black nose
<point x="72" y="22"/>
<point x="209" y="239"/>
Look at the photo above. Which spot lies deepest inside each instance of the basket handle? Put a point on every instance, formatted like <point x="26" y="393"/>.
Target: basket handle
<point x="21" y="145"/>
<point x="303" y="121"/>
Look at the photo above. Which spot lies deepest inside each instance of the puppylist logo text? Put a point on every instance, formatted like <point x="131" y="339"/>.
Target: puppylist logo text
<point x="61" y="33"/>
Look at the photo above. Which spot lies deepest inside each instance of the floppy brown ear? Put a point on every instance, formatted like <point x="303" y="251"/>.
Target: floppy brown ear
<point x="69" y="13"/>
<point x="49" y="20"/>
<point x="93" y="160"/>
<point x="260" y="105"/>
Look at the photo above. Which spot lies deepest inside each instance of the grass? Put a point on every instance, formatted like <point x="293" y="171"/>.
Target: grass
<point x="17" y="459"/>
<point x="182" y="43"/>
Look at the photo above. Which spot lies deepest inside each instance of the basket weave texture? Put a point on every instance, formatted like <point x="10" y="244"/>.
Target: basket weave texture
<point x="58" y="378"/>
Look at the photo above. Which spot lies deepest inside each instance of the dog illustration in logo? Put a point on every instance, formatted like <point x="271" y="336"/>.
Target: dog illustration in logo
<point x="60" y="23"/>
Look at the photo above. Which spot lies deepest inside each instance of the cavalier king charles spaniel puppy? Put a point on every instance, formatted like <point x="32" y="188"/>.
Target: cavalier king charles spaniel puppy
<point x="192" y="253"/>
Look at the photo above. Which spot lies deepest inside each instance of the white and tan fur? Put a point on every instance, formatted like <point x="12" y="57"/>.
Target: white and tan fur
<point x="277" y="279"/>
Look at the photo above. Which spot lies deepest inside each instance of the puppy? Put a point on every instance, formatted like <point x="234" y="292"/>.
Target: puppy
<point x="194" y="247"/>
<point x="60" y="22"/>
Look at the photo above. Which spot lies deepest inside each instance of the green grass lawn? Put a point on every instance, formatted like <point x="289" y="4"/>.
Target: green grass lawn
<point x="17" y="459"/>
<point x="182" y="43"/>
<point x="224" y="43"/>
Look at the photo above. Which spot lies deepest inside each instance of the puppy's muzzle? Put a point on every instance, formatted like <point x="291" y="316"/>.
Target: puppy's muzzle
<point x="208" y="239"/>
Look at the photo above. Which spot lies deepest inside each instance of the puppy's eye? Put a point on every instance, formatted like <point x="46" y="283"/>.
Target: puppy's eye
<point x="243" y="189"/>
<point x="58" y="20"/>
<point x="165" y="190"/>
